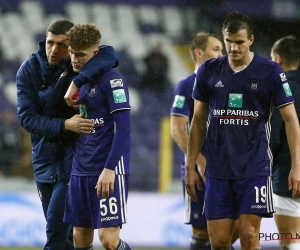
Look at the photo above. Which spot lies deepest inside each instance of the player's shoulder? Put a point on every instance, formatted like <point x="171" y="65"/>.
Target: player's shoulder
<point x="189" y="80"/>
<point x="29" y="65"/>
<point x="213" y="63"/>
<point x="112" y="74"/>
<point x="113" y="79"/>
<point x="266" y="67"/>
<point x="265" y="63"/>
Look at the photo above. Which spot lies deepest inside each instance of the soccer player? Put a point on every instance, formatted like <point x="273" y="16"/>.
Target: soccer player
<point x="234" y="96"/>
<point x="203" y="46"/>
<point x="42" y="81"/>
<point x="286" y="52"/>
<point x="97" y="194"/>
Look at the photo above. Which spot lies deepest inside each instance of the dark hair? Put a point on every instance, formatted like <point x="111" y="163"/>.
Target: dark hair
<point x="82" y="36"/>
<point x="288" y="48"/>
<point x="199" y="41"/>
<point x="59" y="27"/>
<point x="237" y="21"/>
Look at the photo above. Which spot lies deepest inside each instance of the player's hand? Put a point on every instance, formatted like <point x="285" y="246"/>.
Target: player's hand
<point x="105" y="184"/>
<point x="294" y="181"/>
<point x="79" y="124"/>
<point x="201" y="165"/>
<point x="71" y="96"/>
<point x="192" y="181"/>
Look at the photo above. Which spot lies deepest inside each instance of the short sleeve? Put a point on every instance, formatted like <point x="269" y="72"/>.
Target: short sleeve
<point x="117" y="94"/>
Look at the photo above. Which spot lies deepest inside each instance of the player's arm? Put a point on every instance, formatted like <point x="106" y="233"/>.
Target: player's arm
<point x="180" y="136"/>
<point x="290" y="118"/>
<point x="195" y="142"/>
<point x="120" y="145"/>
<point x="178" y="131"/>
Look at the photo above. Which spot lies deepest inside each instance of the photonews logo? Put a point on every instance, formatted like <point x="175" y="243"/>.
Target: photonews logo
<point x="235" y="100"/>
<point x="278" y="236"/>
<point x="179" y="101"/>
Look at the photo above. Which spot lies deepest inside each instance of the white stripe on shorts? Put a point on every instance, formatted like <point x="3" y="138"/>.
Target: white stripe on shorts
<point x="120" y="167"/>
<point x="122" y="197"/>
<point x="187" y="208"/>
<point x="269" y="196"/>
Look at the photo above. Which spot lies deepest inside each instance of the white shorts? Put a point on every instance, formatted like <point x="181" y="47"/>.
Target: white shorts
<point x="286" y="205"/>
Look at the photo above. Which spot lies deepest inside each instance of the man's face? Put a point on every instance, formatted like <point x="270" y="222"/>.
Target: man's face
<point x="213" y="49"/>
<point x="80" y="57"/>
<point x="56" y="48"/>
<point x="237" y="44"/>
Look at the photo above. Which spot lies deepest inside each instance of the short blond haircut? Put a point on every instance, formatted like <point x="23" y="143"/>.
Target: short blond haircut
<point x="83" y="36"/>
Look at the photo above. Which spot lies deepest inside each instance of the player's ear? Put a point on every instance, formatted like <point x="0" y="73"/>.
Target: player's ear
<point x="279" y="59"/>
<point x="198" y="53"/>
<point x="96" y="52"/>
<point x="251" y="40"/>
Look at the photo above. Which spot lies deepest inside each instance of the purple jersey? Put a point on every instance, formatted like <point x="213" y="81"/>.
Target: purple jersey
<point x="183" y="104"/>
<point x="240" y="109"/>
<point x="100" y="100"/>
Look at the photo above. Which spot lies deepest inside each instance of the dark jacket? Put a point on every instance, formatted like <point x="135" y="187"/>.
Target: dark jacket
<point x="42" y="110"/>
<point x="281" y="152"/>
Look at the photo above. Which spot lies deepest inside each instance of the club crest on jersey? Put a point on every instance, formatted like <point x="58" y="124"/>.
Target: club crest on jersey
<point x="92" y="91"/>
<point x="254" y="84"/>
<point x="116" y="83"/>
<point x="235" y="100"/>
<point x="283" y="77"/>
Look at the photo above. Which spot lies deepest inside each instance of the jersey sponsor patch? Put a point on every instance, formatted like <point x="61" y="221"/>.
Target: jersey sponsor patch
<point x="119" y="96"/>
<point x="116" y="83"/>
<point x="235" y="100"/>
<point x="283" y="77"/>
<point x="179" y="101"/>
<point x="287" y="89"/>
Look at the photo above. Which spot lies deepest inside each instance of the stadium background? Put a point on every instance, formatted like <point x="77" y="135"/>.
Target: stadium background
<point x="133" y="27"/>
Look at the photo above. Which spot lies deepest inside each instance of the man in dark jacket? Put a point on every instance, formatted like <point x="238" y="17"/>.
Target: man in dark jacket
<point x="286" y="52"/>
<point x="42" y="81"/>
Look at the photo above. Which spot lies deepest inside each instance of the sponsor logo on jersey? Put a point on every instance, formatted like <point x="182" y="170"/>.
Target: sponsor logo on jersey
<point x="179" y="101"/>
<point x="98" y="121"/>
<point x="258" y="206"/>
<point x="110" y="218"/>
<point x="287" y="89"/>
<point x="235" y="100"/>
<point x="119" y="96"/>
<point x="219" y="84"/>
<point x="283" y="77"/>
<point x="235" y="116"/>
<point x="116" y="83"/>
